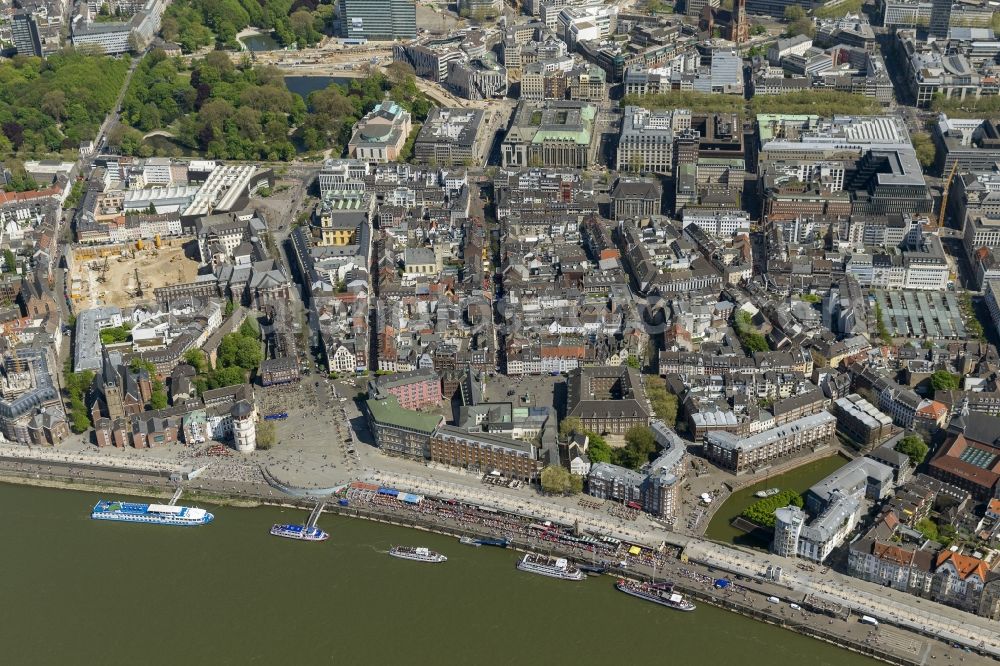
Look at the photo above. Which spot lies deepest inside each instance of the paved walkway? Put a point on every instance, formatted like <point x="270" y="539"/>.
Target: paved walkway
<point x="898" y="608"/>
<point x="905" y="610"/>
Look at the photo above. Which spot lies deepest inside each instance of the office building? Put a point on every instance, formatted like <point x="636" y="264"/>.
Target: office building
<point x="451" y="136"/>
<point x="607" y="398"/>
<point x="646" y="142"/>
<point x="636" y="198"/>
<point x="743" y="454"/>
<point x="383" y="20"/>
<point x="413" y="390"/>
<point x="24" y="30"/>
<point x="401" y="432"/>
<point x="861" y="421"/>
<point x="484" y="452"/>
<point x="970" y="456"/>
<point x="794" y="537"/>
<point x="551" y="134"/>
<point x="479" y="9"/>
<point x="940" y="18"/>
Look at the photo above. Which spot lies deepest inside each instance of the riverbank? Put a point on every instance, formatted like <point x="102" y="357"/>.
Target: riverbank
<point x="221" y="594"/>
<point x="68" y="483"/>
<point x="838" y="632"/>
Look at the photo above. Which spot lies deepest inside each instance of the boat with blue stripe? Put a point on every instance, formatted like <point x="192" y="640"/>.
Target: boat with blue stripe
<point x="299" y="532"/>
<point x="153" y="514"/>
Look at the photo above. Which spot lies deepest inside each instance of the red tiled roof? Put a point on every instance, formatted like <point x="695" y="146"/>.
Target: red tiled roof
<point x="933" y="409"/>
<point x="892" y="553"/>
<point x="964" y="564"/>
<point x="14" y="197"/>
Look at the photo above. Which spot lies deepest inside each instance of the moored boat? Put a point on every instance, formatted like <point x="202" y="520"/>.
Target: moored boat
<point x="554" y="567"/>
<point x="418" y="554"/>
<point x="591" y="569"/>
<point x="153" y="514"/>
<point x="469" y="541"/>
<point x="299" y="532"/>
<point x="770" y="492"/>
<point x="662" y="594"/>
<point x="501" y="542"/>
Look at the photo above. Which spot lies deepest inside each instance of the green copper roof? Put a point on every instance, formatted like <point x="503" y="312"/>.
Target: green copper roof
<point x="387" y="411"/>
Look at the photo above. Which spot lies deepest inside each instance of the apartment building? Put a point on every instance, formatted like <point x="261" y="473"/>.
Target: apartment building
<point x="744" y="454"/>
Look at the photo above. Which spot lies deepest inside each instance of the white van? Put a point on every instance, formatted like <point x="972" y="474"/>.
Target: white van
<point x="774" y="600"/>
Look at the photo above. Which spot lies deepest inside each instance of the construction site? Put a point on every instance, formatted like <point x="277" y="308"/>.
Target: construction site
<point x="126" y="274"/>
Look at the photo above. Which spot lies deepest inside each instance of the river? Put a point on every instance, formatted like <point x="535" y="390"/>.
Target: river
<point x="79" y="591"/>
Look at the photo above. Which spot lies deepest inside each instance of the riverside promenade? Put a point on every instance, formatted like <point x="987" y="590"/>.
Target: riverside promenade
<point x="927" y="619"/>
<point x="906" y="611"/>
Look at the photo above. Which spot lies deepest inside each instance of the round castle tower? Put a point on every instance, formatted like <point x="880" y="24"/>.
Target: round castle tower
<point x="244" y="427"/>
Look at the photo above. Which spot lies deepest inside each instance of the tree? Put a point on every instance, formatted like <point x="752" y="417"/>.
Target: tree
<point x="54" y="104"/>
<point x="633" y="361"/>
<point x="238" y="351"/>
<point x="794" y="13"/>
<point x="77" y="384"/>
<point x="914" y="447"/>
<point x="924" y="147"/>
<point x="399" y="73"/>
<point x="250" y="329"/>
<point x="9" y="261"/>
<point x="640" y="444"/>
<point x="224" y="377"/>
<point x="942" y="380"/>
<point x="762" y="511"/>
<point x="598" y="450"/>
<point x="139" y="364"/>
<point x="570" y="426"/>
<point x="557" y="479"/>
<point x="266" y="435"/>
<point x="748" y="335"/>
<point x="196" y="359"/>
<point x="158" y="397"/>
<point x="664" y="403"/>
<point x="802" y="26"/>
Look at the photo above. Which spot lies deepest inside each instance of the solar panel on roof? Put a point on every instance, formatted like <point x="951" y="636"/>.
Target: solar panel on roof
<point x="978" y="457"/>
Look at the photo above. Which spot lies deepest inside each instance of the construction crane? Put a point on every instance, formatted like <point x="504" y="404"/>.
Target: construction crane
<point x="944" y="195"/>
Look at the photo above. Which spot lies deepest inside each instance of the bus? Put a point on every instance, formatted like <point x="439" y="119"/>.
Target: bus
<point x="354" y="41"/>
<point x="868" y="619"/>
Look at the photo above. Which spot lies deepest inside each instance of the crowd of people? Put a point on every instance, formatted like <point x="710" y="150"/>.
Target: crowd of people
<point x="624" y="512"/>
<point x="606" y="552"/>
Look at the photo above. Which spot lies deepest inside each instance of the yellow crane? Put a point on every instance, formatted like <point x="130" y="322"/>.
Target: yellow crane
<point x="944" y="195"/>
